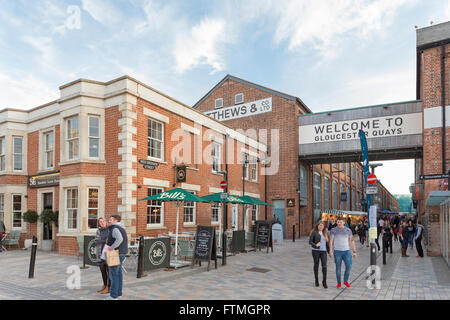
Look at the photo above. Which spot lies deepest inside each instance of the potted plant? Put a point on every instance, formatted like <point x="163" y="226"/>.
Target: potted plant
<point x="30" y="217"/>
<point x="48" y="218"/>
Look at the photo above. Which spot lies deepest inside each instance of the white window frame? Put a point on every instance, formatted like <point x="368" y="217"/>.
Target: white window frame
<point x="93" y="208"/>
<point x="14" y="211"/>
<point x="236" y="98"/>
<point x="221" y="103"/>
<point x="72" y="208"/>
<point x="91" y="137"/>
<point x="194" y="212"/>
<point x="246" y="157"/>
<point x="161" y="223"/>
<point x="216" y="147"/>
<point x="72" y="139"/>
<point x="254" y="170"/>
<point x="218" y="207"/>
<point x="2" y="154"/>
<point x="151" y="138"/>
<point x="2" y="207"/>
<point x="17" y="154"/>
<point x="47" y="151"/>
<point x="254" y="212"/>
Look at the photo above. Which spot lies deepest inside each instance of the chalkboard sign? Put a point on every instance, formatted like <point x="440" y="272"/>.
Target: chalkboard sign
<point x="205" y="245"/>
<point x="238" y="241"/>
<point x="156" y="253"/>
<point x="90" y="251"/>
<point x="263" y="236"/>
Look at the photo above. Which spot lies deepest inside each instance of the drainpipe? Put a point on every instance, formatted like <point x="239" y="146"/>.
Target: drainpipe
<point x="444" y="169"/>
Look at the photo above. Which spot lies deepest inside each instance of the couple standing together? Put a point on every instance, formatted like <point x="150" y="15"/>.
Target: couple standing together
<point x="337" y="245"/>
<point x="111" y="238"/>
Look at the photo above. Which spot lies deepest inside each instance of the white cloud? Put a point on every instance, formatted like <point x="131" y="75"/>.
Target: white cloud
<point x="201" y="46"/>
<point x="25" y="92"/>
<point x="45" y="46"/>
<point x="321" y="23"/>
<point x="103" y="11"/>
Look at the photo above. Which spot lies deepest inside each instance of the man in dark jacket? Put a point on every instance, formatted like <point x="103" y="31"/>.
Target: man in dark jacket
<point x="117" y="240"/>
<point x="2" y="231"/>
<point x="418" y="239"/>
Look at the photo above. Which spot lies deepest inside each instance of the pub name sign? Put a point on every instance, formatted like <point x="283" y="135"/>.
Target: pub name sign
<point x="43" y="180"/>
<point x="242" y="110"/>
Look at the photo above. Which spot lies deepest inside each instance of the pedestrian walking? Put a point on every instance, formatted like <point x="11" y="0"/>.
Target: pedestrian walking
<point x="341" y="240"/>
<point x="395" y="230"/>
<point x="418" y="239"/>
<point x="318" y="239"/>
<point x="360" y="229"/>
<point x="404" y="238"/>
<point x="332" y="225"/>
<point x="387" y="236"/>
<point x="411" y="232"/>
<point x="100" y="239"/>
<point x="366" y="229"/>
<point x="117" y="240"/>
<point x="2" y="231"/>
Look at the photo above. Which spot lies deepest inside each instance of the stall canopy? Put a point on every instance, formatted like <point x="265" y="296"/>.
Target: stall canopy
<point x="342" y="212"/>
<point x="177" y="196"/>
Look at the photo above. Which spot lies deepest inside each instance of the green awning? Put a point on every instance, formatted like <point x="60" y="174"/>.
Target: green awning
<point x="255" y="201"/>
<point x="215" y="197"/>
<point x="177" y="194"/>
<point x="436" y="197"/>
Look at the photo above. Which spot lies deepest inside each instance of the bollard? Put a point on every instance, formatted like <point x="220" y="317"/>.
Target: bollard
<point x="33" y="258"/>
<point x="140" y="267"/>
<point x="293" y="233"/>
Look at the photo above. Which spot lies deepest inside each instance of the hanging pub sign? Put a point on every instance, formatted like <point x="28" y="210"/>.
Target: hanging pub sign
<point x="181" y="173"/>
<point x="205" y="246"/>
<point x="43" y="180"/>
<point x="148" y="164"/>
<point x="156" y="253"/>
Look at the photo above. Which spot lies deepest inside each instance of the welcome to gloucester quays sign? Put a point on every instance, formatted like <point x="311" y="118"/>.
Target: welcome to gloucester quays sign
<point x="388" y="126"/>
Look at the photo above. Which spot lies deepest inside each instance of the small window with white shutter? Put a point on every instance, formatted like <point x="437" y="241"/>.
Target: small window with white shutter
<point x="239" y="98"/>
<point x="218" y="103"/>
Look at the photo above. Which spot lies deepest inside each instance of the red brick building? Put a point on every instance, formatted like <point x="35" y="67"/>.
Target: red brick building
<point x="298" y="190"/>
<point x="83" y="155"/>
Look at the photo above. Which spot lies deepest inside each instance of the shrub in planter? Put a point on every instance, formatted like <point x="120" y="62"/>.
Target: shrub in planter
<point x="48" y="217"/>
<point x="30" y="216"/>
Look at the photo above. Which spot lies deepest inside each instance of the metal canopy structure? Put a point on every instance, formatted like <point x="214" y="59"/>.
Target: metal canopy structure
<point x="435" y="198"/>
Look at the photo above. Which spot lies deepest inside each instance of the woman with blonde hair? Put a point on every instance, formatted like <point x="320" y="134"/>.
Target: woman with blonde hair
<point x="100" y="239"/>
<point x="318" y="239"/>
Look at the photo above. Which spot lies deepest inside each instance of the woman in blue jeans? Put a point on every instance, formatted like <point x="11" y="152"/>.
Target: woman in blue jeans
<point x="341" y="240"/>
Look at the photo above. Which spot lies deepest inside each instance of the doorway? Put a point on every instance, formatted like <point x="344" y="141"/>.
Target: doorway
<point x="278" y="209"/>
<point x="47" y="204"/>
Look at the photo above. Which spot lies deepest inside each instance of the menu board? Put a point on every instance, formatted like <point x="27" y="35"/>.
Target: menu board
<point x="156" y="253"/>
<point x="205" y="245"/>
<point x="263" y="234"/>
<point x="90" y="251"/>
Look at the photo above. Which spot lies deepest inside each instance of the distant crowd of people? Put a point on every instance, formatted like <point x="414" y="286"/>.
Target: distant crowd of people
<point x="334" y="237"/>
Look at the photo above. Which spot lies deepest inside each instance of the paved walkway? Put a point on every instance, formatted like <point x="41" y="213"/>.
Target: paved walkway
<point x="288" y="276"/>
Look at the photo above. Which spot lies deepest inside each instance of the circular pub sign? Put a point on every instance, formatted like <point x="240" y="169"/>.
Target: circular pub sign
<point x="157" y="253"/>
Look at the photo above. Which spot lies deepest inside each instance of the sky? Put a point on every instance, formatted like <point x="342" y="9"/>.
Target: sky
<point x="331" y="54"/>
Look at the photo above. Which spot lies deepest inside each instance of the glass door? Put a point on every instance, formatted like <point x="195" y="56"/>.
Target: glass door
<point x="47" y="203"/>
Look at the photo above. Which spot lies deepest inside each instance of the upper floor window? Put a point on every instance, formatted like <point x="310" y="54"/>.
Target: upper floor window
<point x="94" y="136"/>
<point x="216" y="155"/>
<point x="245" y="165"/>
<point x="18" y="141"/>
<point x="254" y="170"/>
<point x="72" y="138"/>
<point x="2" y="154"/>
<point x="218" y="103"/>
<point x="155" y="139"/>
<point x="239" y="98"/>
<point x="48" y="149"/>
<point x="215" y="212"/>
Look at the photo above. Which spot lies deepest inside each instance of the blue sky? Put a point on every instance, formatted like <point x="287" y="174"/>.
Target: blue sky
<point x="331" y="54"/>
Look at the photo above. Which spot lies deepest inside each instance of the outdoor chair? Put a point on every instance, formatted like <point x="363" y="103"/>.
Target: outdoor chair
<point x="132" y="256"/>
<point x="12" y="238"/>
<point x="186" y="248"/>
